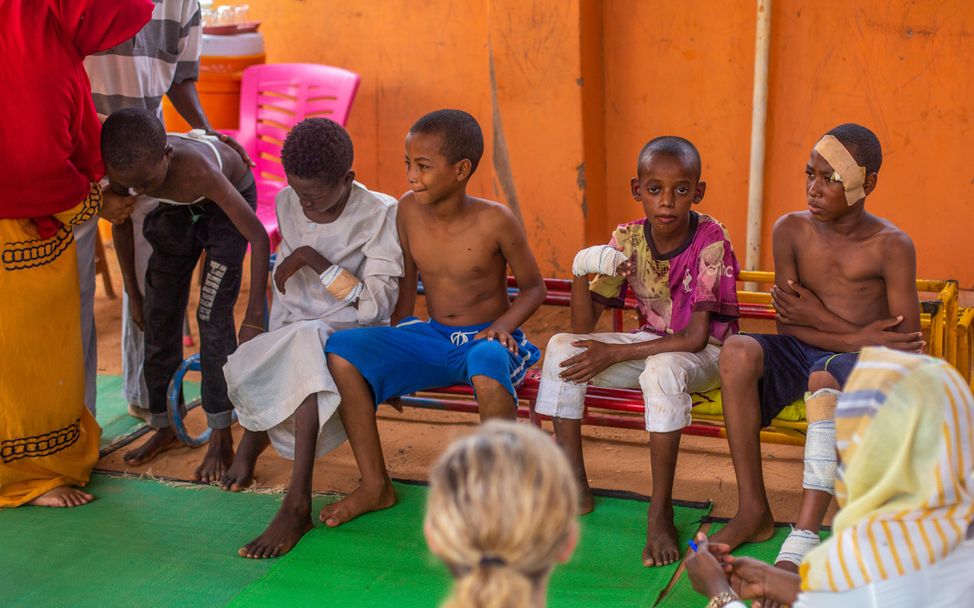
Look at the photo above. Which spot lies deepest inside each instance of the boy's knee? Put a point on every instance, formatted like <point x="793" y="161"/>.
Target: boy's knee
<point x="485" y="384"/>
<point x="741" y="356"/>
<point x="488" y="354"/>
<point x="338" y="364"/>
<point x="822" y="379"/>
<point x="560" y="347"/>
<point x="662" y="375"/>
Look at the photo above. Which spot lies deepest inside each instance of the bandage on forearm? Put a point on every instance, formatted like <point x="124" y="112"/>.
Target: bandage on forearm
<point x="342" y="284"/>
<point x="600" y="259"/>
<point x="845" y="169"/>
<point x="820" y="458"/>
<point x="797" y="546"/>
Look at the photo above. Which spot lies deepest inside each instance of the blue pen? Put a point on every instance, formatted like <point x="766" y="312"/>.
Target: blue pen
<point x="693" y="545"/>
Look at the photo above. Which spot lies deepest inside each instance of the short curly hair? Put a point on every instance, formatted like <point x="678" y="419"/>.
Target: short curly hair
<point x="131" y="136"/>
<point x="318" y="148"/>
<point x="861" y="143"/>
<point x="462" y="137"/>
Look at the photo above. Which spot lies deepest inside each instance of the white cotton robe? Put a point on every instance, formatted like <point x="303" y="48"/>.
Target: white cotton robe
<point x="269" y="376"/>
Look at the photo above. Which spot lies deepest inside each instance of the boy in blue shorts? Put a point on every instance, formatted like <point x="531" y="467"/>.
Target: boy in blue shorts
<point x="844" y="279"/>
<point x="462" y="247"/>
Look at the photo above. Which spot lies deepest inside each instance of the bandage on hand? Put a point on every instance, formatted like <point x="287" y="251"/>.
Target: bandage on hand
<point x="342" y="284"/>
<point x="600" y="259"/>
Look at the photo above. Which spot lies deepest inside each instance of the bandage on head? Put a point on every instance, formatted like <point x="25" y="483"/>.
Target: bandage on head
<point x="342" y="284"/>
<point x="845" y="169"/>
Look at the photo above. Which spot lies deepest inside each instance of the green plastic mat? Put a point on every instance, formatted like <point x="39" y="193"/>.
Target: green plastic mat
<point x="140" y="543"/>
<point x="682" y="594"/>
<point x="113" y="411"/>
<point x="382" y="560"/>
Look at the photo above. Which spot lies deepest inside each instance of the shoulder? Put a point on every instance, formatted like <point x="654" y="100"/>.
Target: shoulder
<point x="371" y="199"/>
<point x="493" y="212"/>
<point x="893" y="239"/>
<point x="791" y="224"/>
<point x="710" y="230"/>
<point x="628" y="231"/>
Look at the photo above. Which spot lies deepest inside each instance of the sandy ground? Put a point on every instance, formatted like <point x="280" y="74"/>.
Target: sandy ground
<point x="616" y="459"/>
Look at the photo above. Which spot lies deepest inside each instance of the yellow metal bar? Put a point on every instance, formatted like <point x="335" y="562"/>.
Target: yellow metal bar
<point x="950" y="296"/>
<point x="965" y="341"/>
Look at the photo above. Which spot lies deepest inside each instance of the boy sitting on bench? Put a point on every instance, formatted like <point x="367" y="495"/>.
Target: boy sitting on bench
<point x="462" y="247"/>
<point x="844" y="279"/>
<point x="681" y="268"/>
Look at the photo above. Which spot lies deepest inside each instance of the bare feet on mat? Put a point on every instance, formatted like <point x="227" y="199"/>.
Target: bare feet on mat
<point x="62" y="496"/>
<point x="284" y="531"/>
<point x="240" y="475"/>
<point x="586" y="502"/>
<point x="748" y="526"/>
<point x="161" y="440"/>
<point x="219" y="455"/>
<point x="362" y="500"/>
<point x="662" y="544"/>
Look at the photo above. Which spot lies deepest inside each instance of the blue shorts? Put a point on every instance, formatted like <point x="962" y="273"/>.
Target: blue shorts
<point x="419" y="355"/>
<point x="788" y="362"/>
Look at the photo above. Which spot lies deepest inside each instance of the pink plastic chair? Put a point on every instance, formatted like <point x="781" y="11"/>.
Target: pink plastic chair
<point x="274" y="98"/>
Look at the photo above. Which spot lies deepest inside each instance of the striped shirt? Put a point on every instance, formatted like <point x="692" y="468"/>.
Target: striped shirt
<point x="905" y="434"/>
<point x="138" y="72"/>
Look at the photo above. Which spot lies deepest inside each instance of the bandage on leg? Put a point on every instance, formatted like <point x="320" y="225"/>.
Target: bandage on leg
<point x="845" y="169"/>
<point x="820" y="459"/>
<point x="797" y="546"/>
<point x="342" y="284"/>
<point x="600" y="259"/>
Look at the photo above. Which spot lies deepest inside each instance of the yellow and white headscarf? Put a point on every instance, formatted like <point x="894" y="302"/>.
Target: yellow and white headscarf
<point x="905" y="435"/>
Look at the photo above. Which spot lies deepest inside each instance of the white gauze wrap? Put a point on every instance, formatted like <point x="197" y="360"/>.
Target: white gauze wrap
<point x="797" y="545"/>
<point x="342" y="284"/>
<point x="600" y="259"/>
<point x="820" y="459"/>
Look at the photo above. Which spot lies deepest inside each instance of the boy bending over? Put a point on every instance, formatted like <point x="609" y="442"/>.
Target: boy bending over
<point x="844" y="279"/>
<point x="337" y="267"/>
<point x="681" y="268"/>
<point x="462" y="247"/>
<point x="207" y="197"/>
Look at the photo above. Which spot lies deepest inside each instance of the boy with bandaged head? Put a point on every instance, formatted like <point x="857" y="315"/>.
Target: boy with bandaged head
<point x="844" y="279"/>
<point x="681" y="268"/>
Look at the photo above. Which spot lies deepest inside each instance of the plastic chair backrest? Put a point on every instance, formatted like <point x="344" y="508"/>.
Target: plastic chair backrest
<point x="275" y="97"/>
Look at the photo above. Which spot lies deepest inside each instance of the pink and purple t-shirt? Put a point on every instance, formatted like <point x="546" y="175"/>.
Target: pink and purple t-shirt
<point x="699" y="275"/>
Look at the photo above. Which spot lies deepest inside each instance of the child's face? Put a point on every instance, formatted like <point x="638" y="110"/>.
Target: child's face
<point x="666" y="188"/>
<point x="142" y="177"/>
<point x="431" y="176"/>
<point x="316" y="196"/>
<point x="826" y="198"/>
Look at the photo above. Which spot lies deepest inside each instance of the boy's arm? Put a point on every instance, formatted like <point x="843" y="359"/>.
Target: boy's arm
<point x="585" y="310"/>
<point x="899" y="272"/>
<point x="513" y="244"/>
<point x="124" y="241"/>
<point x="218" y="189"/>
<point x="406" y="304"/>
<point x="381" y="271"/>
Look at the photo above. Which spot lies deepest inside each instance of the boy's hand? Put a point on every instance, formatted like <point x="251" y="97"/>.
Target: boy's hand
<point x="501" y="335"/>
<point x="879" y="333"/>
<point x="233" y="143"/>
<point x="705" y="571"/>
<point x="801" y="308"/>
<point x="587" y="364"/>
<point x="287" y="268"/>
<point x="135" y="309"/>
<point x="116" y="208"/>
<point x="248" y="331"/>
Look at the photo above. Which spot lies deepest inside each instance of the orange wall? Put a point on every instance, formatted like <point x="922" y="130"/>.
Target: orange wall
<point x="579" y="85"/>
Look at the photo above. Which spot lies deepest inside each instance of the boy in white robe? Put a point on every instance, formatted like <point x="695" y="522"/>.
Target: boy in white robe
<point x="337" y="267"/>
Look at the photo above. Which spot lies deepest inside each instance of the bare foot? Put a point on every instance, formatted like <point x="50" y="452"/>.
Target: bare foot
<point x="284" y="531"/>
<point x="219" y="455"/>
<point x="748" y="526"/>
<point x="662" y="543"/>
<point x="362" y="500"/>
<point x="62" y="496"/>
<point x="241" y="473"/>
<point x="161" y="440"/>
<point x="586" y="503"/>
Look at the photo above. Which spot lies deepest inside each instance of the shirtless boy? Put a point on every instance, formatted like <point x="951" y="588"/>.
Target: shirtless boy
<point x="207" y="198"/>
<point x="844" y="279"/>
<point x="462" y="247"/>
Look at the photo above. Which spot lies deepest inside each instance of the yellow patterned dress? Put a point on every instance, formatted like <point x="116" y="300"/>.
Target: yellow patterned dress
<point x="47" y="436"/>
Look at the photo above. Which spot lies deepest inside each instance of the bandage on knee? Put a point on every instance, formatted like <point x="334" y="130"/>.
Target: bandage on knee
<point x="342" y="284"/>
<point x="600" y="259"/>
<point x="845" y="169"/>
<point x="820" y="459"/>
<point x="797" y="546"/>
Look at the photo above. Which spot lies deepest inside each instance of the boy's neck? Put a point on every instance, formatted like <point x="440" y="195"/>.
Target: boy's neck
<point x="451" y="206"/>
<point x="666" y="245"/>
<point x="847" y="224"/>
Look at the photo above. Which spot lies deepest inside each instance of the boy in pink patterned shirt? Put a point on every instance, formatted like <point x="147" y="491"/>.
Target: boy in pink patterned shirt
<point x="681" y="268"/>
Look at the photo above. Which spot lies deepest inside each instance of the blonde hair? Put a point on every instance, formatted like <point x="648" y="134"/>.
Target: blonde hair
<point x="501" y="510"/>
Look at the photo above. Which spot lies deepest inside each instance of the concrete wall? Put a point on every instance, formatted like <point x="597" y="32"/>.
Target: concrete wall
<point x="567" y="91"/>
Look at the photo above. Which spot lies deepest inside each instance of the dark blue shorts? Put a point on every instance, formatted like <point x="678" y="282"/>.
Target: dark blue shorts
<point x="419" y="355"/>
<point x="788" y="362"/>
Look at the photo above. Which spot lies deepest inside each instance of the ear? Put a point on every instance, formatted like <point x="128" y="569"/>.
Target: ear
<point x="869" y="184"/>
<point x="464" y="169"/>
<point x="699" y="192"/>
<point x="571" y="542"/>
<point x="634" y="187"/>
<point x="348" y="178"/>
<point x="169" y="151"/>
